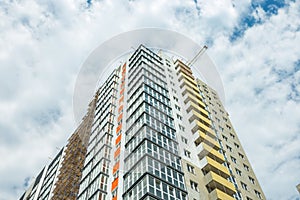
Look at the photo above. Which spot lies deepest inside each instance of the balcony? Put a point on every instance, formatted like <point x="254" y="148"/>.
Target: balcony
<point x="194" y="93"/>
<point x="187" y="73"/>
<point x="198" y="126"/>
<point x="205" y="150"/>
<point x="208" y="164"/>
<point x="191" y="97"/>
<point x="188" y="84"/>
<point x="198" y="104"/>
<point x="200" y="116"/>
<point x="200" y="137"/>
<point x="213" y="181"/>
<point x="217" y="194"/>
<point x="189" y="79"/>
<point x="182" y="66"/>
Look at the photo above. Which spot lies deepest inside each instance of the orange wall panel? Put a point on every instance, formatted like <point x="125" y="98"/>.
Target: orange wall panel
<point x="116" y="167"/>
<point x="120" y="108"/>
<point x="121" y="99"/>
<point x="117" y="152"/>
<point x="120" y="117"/>
<point x="114" y="184"/>
<point x="124" y="66"/>
<point x="119" y="128"/>
<point x="122" y="91"/>
<point x="118" y="140"/>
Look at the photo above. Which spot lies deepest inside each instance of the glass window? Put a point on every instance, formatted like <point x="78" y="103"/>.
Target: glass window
<point x="244" y="186"/>
<point x="251" y="180"/>
<point x="246" y="167"/>
<point x="187" y="153"/>
<point x="194" y="185"/>
<point x="258" y="194"/>
<point x="190" y="169"/>
<point x="239" y="172"/>
<point x="184" y="140"/>
<point x="233" y="159"/>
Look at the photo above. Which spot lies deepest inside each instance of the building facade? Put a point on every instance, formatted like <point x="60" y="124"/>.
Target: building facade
<point x="153" y="131"/>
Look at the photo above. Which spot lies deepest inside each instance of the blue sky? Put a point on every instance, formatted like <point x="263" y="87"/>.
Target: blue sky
<point x="251" y="18"/>
<point x="254" y="44"/>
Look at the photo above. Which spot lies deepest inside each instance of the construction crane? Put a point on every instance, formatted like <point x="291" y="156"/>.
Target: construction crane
<point x="197" y="56"/>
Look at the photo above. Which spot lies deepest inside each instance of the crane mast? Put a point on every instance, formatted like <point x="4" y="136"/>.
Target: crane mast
<point x="197" y="56"/>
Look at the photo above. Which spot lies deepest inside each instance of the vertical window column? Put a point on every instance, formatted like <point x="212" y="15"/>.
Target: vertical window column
<point x="114" y="187"/>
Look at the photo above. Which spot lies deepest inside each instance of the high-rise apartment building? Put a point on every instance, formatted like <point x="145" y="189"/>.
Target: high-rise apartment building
<point x="152" y="131"/>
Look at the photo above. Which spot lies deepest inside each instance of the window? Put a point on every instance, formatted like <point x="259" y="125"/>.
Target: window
<point x="236" y="145"/>
<point x="151" y="185"/>
<point x="194" y="185"/>
<point x="181" y="128"/>
<point x="228" y="126"/>
<point x="179" y="117"/>
<point x="246" y="167"/>
<point x="239" y="172"/>
<point x="176" y="99"/>
<point x="221" y="128"/>
<point x="231" y="135"/>
<point x="241" y="156"/>
<point x="229" y="148"/>
<point x="158" y="187"/>
<point x="114" y="193"/>
<point x="177" y="107"/>
<point x="221" y="151"/>
<point x="190" y="168"/>
<point x="258" y="194"/>
<point x="187" y="153"/>
<point x="184" y="140"/>
<point x="251" y="180"/>
<point x="233" y="159"/>
<point x="224" y="137"/>
<point x="244" y="186"/>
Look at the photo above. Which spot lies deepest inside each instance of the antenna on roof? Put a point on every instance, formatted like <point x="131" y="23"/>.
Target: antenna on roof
<point x="197" y="56"/>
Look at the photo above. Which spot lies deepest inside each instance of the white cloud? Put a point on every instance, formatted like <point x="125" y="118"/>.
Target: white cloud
<point x="43" y="44"/>
<point x="258" y="71"/>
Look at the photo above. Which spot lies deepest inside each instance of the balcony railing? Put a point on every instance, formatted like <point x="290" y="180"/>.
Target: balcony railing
<point x="213" y="181"/>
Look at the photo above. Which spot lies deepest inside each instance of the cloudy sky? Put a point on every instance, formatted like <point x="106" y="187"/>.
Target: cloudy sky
<point x="254" y="44"/>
